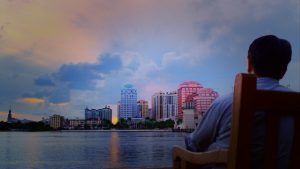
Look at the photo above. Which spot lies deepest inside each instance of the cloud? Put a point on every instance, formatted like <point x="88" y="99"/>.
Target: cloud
<point x="292" y="77"/>
<point x="32" y="101"/>
<point x="43" y="81"/>
<point x="60" y="94"/>
<point x="58" y="104"/>
<point x="38" y="94"/>
<point x="80" y="76"/>
<point x="154" y="45"/>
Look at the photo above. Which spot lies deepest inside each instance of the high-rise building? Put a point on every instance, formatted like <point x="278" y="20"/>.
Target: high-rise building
<point x="164" y="105"/>
<point x="184" y="90"/>
<point x="170" y="105"/>
<point x="157" y="105"/>
<point x="143" y="108"/>
<point x="106" y="113"/>
<point x="118" y="110"/>
<point x="56" y="121"/>
<point x="91" y="114"/>
<point x="128" y="104"/>
<point x="151" y="116"/>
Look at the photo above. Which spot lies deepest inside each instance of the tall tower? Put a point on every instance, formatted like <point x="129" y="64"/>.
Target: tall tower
<point x="157" y="105"/>
<point x="128" y="104"/>
<point x="143" y="108"/>
<point x="9" y="117"/>
<point x="170" y="105"/>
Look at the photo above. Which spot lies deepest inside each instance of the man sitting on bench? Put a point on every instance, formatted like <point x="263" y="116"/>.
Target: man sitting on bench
<point x="268" y="58"/>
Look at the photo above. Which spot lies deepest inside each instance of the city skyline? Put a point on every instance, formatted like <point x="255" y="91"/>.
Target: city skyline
<point x="60" y="58"/>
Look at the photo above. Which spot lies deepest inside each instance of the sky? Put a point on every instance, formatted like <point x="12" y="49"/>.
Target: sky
<point x="58" y="57"/>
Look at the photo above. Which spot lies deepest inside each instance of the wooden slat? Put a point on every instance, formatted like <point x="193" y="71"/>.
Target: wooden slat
<point x="242" y="123"/>
<point x="247" y="101"/>
<point x="271" y="139"/>
<point x="295" y="156"/>
<point x="278" y="101"/>
<point x="200" y="158"/>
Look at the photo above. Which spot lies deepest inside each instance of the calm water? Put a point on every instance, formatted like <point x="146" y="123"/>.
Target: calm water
<point x="86" y="150"/>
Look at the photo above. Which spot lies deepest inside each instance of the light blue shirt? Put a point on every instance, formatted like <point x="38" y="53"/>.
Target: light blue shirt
<point x="213" y="131"/>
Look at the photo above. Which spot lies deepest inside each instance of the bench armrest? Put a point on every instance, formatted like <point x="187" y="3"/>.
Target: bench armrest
<point x="199" y="158"/>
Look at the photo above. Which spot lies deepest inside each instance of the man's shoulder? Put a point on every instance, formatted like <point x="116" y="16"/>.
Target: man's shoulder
<point x="224" y="99"/>
<point x="283" y="88"/>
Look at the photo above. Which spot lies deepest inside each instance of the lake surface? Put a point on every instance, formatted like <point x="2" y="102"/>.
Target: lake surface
<point x="86" y="149"/>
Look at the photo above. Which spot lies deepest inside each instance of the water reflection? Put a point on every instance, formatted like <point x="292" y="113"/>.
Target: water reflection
<point x="114" y="150"/>
<point x="86" y="150"/>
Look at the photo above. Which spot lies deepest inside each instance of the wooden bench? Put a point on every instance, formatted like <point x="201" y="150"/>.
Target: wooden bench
<point x="246" y="101"/>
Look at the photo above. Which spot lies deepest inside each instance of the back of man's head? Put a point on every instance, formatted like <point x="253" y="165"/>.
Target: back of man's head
<point x="270" y="56"/>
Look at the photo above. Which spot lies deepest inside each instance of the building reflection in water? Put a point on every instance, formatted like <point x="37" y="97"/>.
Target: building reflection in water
<point x="114" y="150"/>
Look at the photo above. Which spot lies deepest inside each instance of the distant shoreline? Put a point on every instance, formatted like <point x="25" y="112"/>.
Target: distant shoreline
<point x="118" y="130"/>
<point x="111" y="130"/>
<point x="101" y="130"/>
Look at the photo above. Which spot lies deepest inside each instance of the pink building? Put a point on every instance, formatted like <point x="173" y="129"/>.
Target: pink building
<point x="202" y="97"/>
<point x="184" y="90"/>
<point x="203" y="100"/>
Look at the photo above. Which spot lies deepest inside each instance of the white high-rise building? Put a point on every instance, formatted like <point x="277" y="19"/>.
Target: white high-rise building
<point x="128" y="103"/>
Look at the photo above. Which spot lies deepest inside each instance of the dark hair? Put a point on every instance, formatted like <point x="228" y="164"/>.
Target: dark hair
<point x="270" y="56"/>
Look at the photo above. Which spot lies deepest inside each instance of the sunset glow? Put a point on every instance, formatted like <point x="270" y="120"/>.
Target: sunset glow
<point x="62" y="56"/>
<point x="31" y="100"/>
<point x="114" y="120"/>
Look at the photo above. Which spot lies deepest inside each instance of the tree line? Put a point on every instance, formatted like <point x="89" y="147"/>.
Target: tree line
<point x="31" y="126"/>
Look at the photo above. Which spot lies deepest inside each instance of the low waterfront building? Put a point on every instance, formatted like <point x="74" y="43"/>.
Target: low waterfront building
<point x="75" y="123"/>
<point x="98" y="114"/>
<point x="56" y="121"/>
<point x="189" y="120"/>
<point x="133" y="122"/>
<point x="95" y="117"/>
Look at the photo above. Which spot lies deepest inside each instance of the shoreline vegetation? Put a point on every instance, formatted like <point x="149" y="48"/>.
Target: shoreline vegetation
<point x="31" y="126"/>
<point x="40" y="127"/>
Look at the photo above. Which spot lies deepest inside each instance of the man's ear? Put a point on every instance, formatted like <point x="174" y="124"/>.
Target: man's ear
<point x="250" y="67"/>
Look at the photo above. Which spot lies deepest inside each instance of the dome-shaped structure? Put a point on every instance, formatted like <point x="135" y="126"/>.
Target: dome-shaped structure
<point x="128" y="86"/>
<point x="190" y="83"/>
